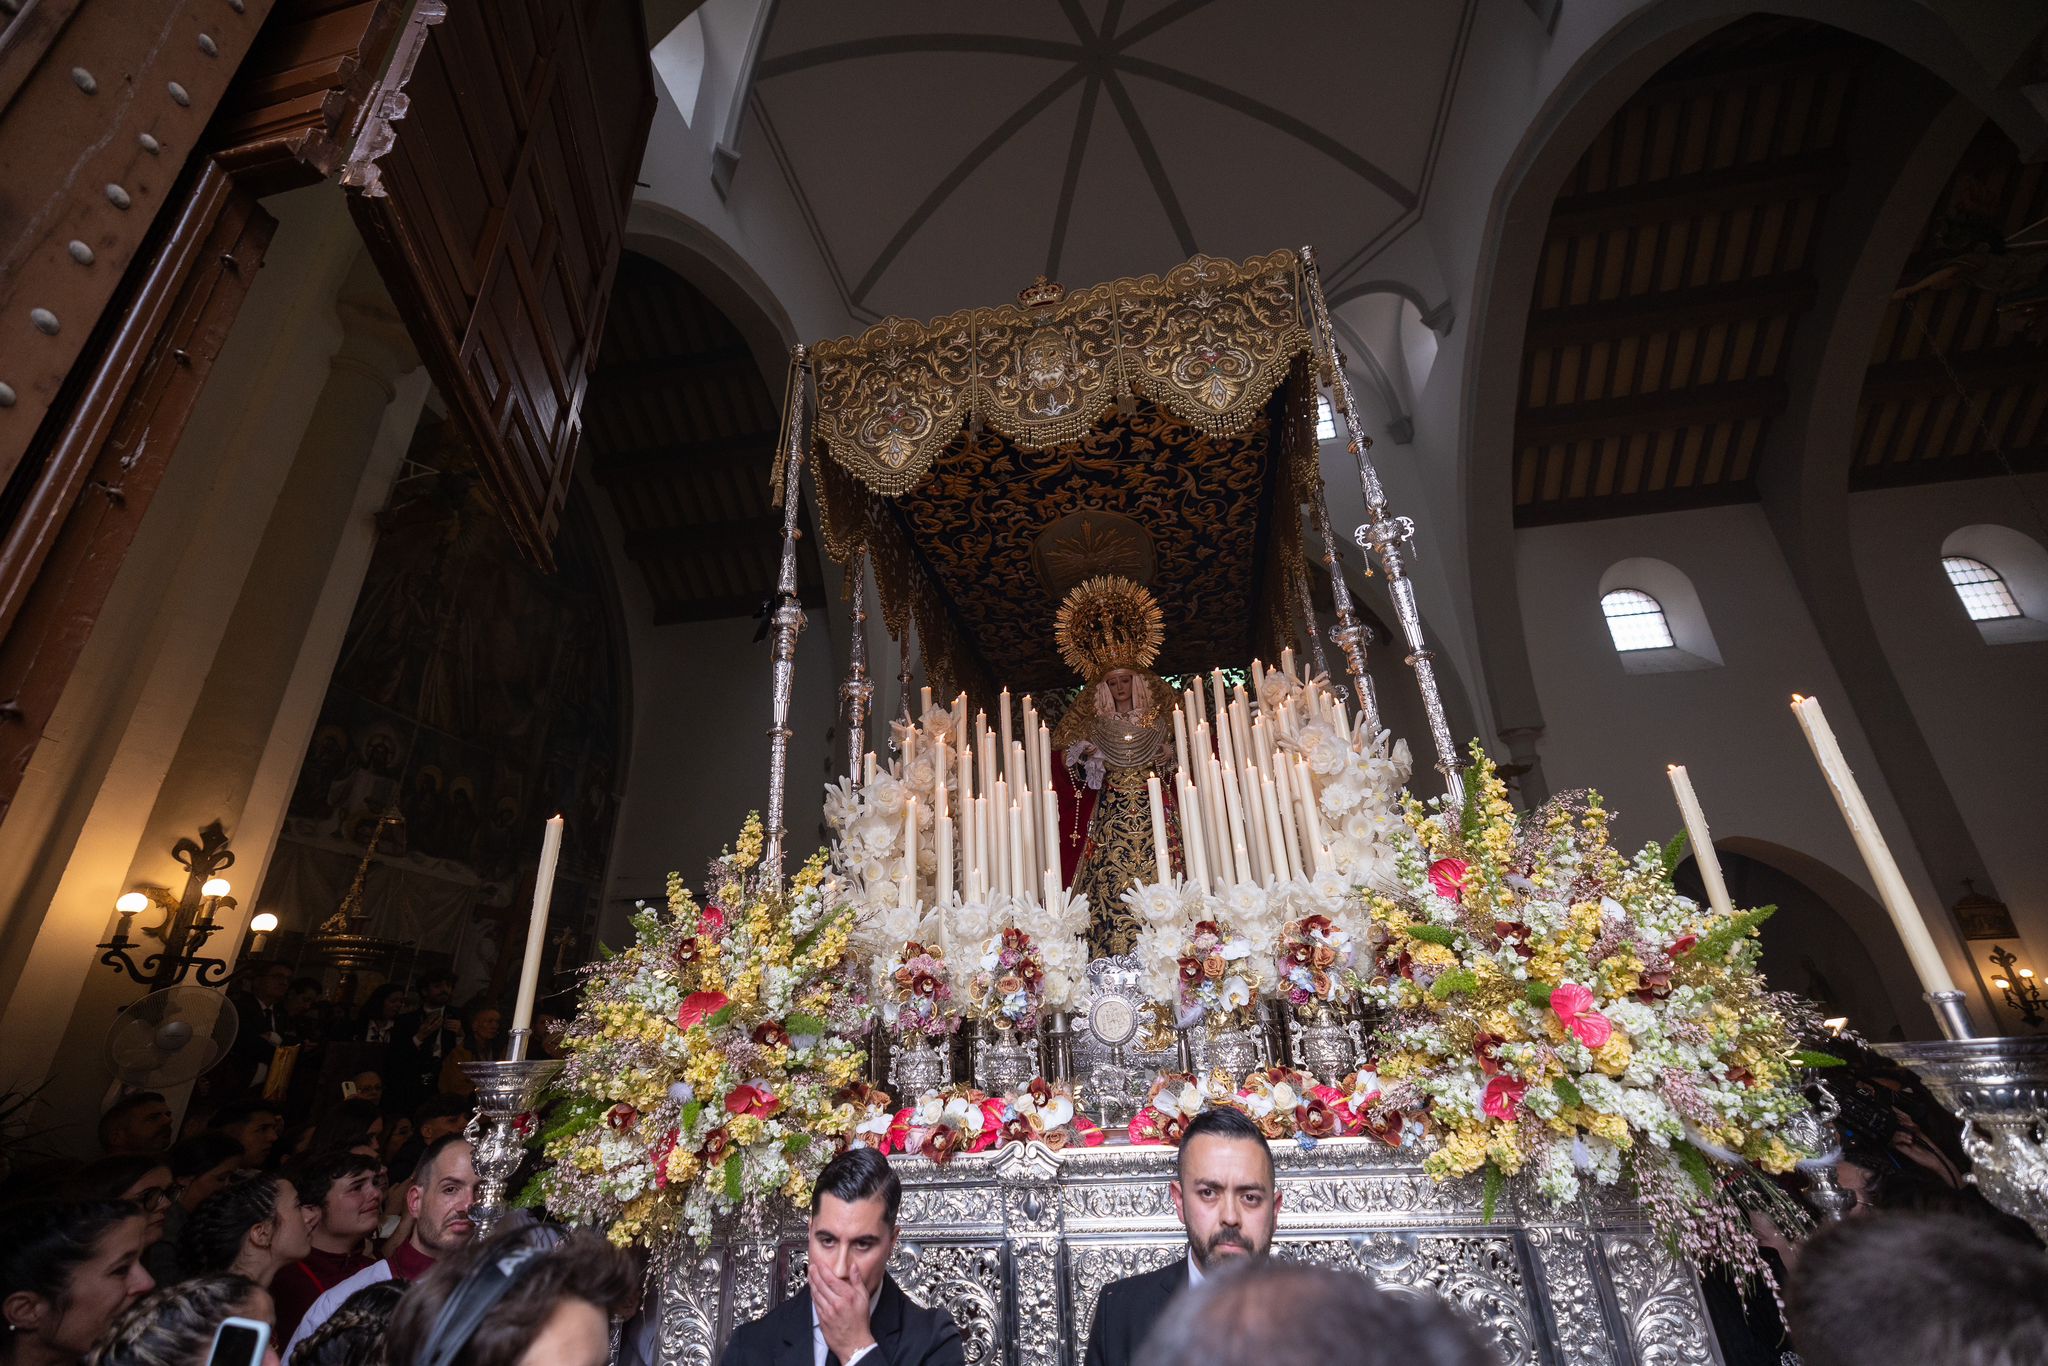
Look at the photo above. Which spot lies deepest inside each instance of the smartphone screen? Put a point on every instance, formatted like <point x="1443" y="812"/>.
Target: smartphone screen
<point x="238" y="1342"/>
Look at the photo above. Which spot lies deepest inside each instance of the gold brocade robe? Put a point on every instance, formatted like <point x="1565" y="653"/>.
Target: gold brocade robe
<point x="1118" y="856"/>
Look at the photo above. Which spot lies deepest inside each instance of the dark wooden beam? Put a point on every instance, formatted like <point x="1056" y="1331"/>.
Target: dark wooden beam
<point x="1990" y="368"/>
<point x="720" y="537"/>
<point x="682" y="457"/>
<point x="1730" y="401"/>
<point x="1683" y="196"/>
<point x="1596" y="507"/>
<point x="1933" y="469"/>
<point x="1789" y="292"/>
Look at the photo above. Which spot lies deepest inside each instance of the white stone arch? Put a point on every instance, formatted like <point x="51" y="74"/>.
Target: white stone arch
<point x="1692" y="637"/>
<point x="1953" y="45"/>
<point x="2022" y="562"/>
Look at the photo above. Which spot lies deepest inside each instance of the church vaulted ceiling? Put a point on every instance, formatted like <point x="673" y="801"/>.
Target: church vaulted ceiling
<point x="943" y="154"/>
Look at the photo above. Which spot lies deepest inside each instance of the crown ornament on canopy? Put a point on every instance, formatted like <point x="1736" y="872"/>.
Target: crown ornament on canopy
<point x="1041" y="293"/>
<point x="1108" y="622"/>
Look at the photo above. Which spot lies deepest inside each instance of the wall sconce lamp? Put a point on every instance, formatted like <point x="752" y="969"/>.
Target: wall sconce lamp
<point x="188" y="921"/>
<point x="2022" y="992"/>
<point x="260" y="926"/>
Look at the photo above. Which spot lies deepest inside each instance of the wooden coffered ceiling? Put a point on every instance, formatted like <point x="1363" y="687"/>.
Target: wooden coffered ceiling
<point x="1954" y="390"/>
<point x="680" y="428"/>
<point x="1675" y="272"/>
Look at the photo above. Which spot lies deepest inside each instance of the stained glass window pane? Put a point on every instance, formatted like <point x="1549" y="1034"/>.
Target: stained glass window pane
<point x="1984" y="594"/>
<point x="1636" y="621"/>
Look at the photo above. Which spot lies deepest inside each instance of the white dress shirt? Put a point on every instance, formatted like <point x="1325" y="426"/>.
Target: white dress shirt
<point x="819" y="1351"/>
<point x="1195" y="1276"/>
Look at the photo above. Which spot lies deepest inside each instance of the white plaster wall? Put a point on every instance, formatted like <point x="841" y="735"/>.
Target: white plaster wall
<point x="1731" y="726"/>
<point x="1980" y="705"/>
<point x="698" y="743"/>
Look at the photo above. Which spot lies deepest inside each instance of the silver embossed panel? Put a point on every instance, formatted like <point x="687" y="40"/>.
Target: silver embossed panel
<point x="1018" y="1245"/>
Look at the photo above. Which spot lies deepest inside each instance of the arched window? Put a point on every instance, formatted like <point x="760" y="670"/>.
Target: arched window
<point x="1326" y="421"/>
<point x="1983" y="589"/>
<point x="1636" y="620"/>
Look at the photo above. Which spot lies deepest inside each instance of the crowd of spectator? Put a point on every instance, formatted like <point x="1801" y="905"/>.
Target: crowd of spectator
<point x="320" y="1175"/>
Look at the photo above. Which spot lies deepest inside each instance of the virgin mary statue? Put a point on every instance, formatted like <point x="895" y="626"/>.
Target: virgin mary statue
<point x="1117" y="733"/>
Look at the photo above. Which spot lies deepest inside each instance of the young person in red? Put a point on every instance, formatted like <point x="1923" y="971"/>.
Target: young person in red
<point x="439" y="1198"/>
<point x="343" y="1196"/>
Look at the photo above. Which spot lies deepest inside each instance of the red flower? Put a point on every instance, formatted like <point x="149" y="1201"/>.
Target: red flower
<point x="1681" y="945"/>
<point x="749" y="1099"/>
<point x="712" y="921"/>
<point x="1516" y="935"/>
<point x="770" y="1032"/>
<point x="659" y="1155"/>
<point x="715" y="1144"/>
<point x="1190" y="969"/>
<point x="622" y="1117"/>
<point x="1447" y="876"/>
<point x="1315" y="1116"/>
<point x="1015" y="939"/>
<point x="699" y="1006"/>
<point x="1089" y="1132"/>
<point x="688" y="949"/>
<point x="1503" y="1099"/>
<point x="1486" y="1048"/>
<point x="525" y="1124"/>
<point x="939" y="1142"/>
<point x="1018" y="1130"/>
<point x="1387" y="1131"/>
<point x="1573" y="1006"/>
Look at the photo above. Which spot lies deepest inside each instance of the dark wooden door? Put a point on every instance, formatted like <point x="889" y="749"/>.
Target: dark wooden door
<point x="497" y="218"/>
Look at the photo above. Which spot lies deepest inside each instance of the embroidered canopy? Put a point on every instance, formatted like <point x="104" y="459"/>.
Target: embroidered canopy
<point x="1161" y="427"/>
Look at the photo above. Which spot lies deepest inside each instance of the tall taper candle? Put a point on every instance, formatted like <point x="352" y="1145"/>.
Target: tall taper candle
<point x="1017" y="882"/>
<point x="945" y="882"/>
<point x="1003" y="721"/>
<point x="1701" y="840"/>
<point x="1884" y="870"/>
<point x="537" y="926"/>
<point x="1160" y="856"/>
<point x="906" y="883"/>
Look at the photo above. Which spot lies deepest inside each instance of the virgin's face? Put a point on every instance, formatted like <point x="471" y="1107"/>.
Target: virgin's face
<point x="1123" y="687"/>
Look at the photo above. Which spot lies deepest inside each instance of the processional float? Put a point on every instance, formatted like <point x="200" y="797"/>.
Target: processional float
<point x="1133" y="852"/>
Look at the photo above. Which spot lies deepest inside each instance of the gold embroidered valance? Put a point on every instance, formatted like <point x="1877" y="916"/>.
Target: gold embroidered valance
<point x="1208" y="342"/>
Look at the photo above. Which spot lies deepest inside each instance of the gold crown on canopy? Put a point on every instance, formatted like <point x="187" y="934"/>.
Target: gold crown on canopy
<point x="1108" y="622"/>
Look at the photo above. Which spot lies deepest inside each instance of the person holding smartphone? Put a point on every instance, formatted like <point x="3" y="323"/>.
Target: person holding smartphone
<point x="206" y="1321"/>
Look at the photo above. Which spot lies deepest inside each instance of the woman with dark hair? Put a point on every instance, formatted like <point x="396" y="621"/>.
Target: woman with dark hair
<point x="254" y="1228"/>
<point x="144" y="1180"/>
<point x="354" y="1334"/>
<point x="174" y="1326"/>
<point x="534" y="1292"/>
<point x="200" y="1165"/>
<point x="66" y="1267"/>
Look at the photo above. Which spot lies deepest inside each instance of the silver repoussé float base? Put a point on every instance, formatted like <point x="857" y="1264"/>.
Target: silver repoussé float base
<point x="505" y="1097"/>
<point x="1999" y="1088"/>
<point x="1018" y="1244"/>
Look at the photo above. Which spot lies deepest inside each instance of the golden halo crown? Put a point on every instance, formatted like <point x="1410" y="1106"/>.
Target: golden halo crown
<point x="1108" y="622"/>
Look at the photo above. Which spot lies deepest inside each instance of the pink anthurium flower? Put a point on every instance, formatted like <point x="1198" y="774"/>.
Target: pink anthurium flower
<point x="1503" y="1098"/>
<point x="1574" y="1007"/>
<point x="1447" y="876"/>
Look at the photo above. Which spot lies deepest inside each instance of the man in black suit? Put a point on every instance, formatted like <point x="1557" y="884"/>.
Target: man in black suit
<point x="852" y="1310"/>
<point x="1224" y="1193"/>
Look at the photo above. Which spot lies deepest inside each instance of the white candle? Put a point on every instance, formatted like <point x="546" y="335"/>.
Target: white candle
<point x="1003" y="720"/>
<point x="906" y="880"/>
<point x="867" y="769"/>
<point x="945" y="880"/>
<point x="1017" y="883"/>
<point x="1282" y="798"/>
<point x="1287" y="664"/>
<point x="1877" y="856"/>
<point x="981" y="846"/>
<point x="1191" y="834"/>
<point x="537" y="925"/>
<point x="924" y="704"/>
<point x="1160" y="854"/>
<point x="1239" y="852"/>
<point x="1312" y="817"/>
<point x="1702" y="842"/>
<point x="1180" y="739"/>
<point x="1052" y="848"/>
